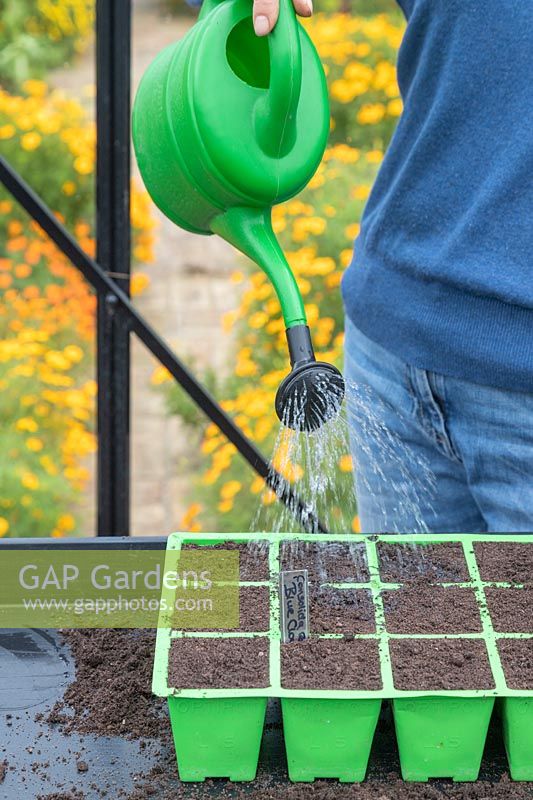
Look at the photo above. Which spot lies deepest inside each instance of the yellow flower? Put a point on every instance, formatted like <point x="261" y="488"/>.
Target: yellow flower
<point x="210" y="445"/>
<point x="385" y="75"/>
<point x="356" y="524"/>
<point x="4" y="526"/>
<point x="321" y="266"/>
<point x="395" y="107"/>
<point x="245" y="367"/>
<point x="35" y="88"/>
<point x="304" y="226"/>
<point x="34" y="444"/>
<point x="258" y="484"/>
<point x="230" y="489"/>
<point x="26" y="424"/>
<point x="374" y="156"/>
<point x="346" y="91"/>
<point x="317" y="181"/>
<point x="84" y="165"/>
<point x="56" y="360"/>
<point x="361" y="192"/>
<point x="268" y="497"/>
<point x="25" y="122"/>
<point x="333" y="280"/>
<point x="352" y="231"/>
<point x="23" y="271"/>
<point x="258" y="320"/>
<point x="371" y="114"/>
<point x="188" y="521"/>
<point x="139" y="282"/>
<point x="312" y="313"/>
<point x="195" y="527"/>
<point x="345" y="463"/>
<point x="346" y="257"/>
<point x="74" y="353"/>
<point x="66" y="522"/>
<point x="160" y="375"/>
<point x="278" y="325"/>
<point x="229" y="319"/>
<point x="30" y="481"/>
<point x="7" y="131"/>
<point x="344" y="153"/>
<point x="31" y="141"/>
<point x="225" y="505"/>
<point x="69" y="188"/>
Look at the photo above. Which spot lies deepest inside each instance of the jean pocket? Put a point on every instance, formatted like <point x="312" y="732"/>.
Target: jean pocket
<point x="372" y="370"/>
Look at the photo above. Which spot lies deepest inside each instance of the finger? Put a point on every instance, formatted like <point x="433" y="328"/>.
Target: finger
<point x="265" y="16"/>
<point x="304" y="8"/>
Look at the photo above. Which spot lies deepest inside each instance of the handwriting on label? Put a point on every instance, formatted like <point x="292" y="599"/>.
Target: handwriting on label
<point x="294" y="603"/>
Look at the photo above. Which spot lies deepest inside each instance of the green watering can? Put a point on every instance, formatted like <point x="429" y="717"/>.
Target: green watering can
<point x="226" y="125"/>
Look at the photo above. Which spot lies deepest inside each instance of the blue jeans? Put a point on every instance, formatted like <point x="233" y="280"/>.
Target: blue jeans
<point x="434" y="453"/>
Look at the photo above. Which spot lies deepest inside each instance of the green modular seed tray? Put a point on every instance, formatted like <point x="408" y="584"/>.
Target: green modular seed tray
<point x="329" y="734"/>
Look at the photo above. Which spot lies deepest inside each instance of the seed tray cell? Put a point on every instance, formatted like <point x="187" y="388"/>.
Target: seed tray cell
<point x="329" y="716"/>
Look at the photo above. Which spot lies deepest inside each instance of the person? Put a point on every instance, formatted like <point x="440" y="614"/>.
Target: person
<point x="439" y="294"/>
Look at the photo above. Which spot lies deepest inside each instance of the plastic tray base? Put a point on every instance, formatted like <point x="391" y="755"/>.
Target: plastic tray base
<point x="347" y="725"/>
<point x="217" y="738"/>
<point x="517" y="717"/>
<point x="441" y="737"/>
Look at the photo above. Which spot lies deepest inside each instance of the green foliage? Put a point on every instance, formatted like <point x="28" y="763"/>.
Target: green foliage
<point x="47" y="138"/>
<point x="365" y="8"/>
<point x="179" y="403"/>
<point x="47" y="314"/>
<point x="38" y="35"/>
<point x="362" y="8"/>
<point x="359" y="56"/>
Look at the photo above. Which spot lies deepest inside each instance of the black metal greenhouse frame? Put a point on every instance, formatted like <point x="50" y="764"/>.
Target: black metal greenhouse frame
<point x="109" y="274"/>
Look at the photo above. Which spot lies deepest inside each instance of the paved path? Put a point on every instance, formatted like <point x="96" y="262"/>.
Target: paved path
<point x="189" y="292"/>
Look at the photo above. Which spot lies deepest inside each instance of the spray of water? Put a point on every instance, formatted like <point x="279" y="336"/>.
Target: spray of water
<point x="310" y="461"/>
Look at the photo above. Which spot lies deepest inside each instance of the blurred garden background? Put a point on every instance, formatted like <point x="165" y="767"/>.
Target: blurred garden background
<point x="218" y="311"/>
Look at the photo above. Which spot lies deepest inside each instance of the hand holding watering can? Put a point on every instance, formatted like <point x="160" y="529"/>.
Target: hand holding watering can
<point x="265" y="13"/>
<point x="227" y="124"/>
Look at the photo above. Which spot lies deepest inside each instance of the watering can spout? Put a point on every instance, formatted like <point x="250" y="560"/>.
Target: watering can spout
<point x="250" y="231"/>
<point x="312" y="393"/>
<point x="275" y="111"/>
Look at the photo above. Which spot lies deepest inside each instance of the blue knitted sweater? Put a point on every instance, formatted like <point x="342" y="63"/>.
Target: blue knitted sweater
<point x="442" y="273"/>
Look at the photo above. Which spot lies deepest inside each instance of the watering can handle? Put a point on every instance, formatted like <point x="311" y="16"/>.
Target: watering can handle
<point x="275" y="111"/>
